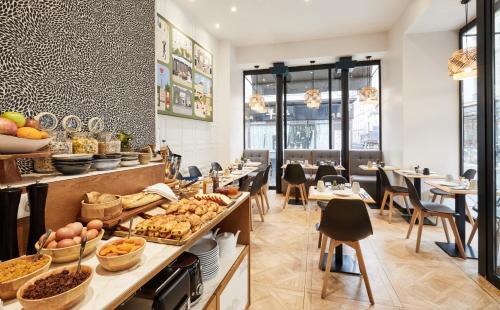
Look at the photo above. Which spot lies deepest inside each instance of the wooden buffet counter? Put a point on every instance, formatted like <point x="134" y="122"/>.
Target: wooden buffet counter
<point x="109" y="289"/>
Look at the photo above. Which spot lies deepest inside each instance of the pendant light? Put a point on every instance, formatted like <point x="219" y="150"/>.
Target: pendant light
<point x="463" y="62"/>
<point x="312" y="97"/>
<point x="257" y="102"/>
<point x="368" y="94"/>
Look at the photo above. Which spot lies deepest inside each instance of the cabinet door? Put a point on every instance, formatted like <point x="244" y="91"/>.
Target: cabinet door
<point x="235" y="294"/>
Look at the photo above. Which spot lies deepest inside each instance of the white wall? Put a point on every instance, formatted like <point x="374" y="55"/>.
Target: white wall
<point x="199" y="142"/>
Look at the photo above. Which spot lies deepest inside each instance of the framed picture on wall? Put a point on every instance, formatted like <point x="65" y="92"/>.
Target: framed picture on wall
<point x="184" y="74"/>
<point x="162" y="40"/>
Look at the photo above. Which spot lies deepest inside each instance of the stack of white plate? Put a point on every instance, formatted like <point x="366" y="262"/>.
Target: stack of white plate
<point x="208" y="252"/>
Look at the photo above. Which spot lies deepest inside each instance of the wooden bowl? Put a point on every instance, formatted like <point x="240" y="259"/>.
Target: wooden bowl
<point x="71" y="253"/>
<point x="122" y="262"/>
<point x="64" y="300"/>
<point x="9" y="288"/>
<point x="101" y="211"/>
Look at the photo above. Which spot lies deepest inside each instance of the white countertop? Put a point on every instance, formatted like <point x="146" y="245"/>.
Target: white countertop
<point x="109" y="288"/>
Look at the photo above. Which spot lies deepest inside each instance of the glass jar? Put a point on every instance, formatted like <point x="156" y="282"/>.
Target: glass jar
<point x="108" y="143"/>
<point x="60" y="144"/>
<point x="84" y="143"/>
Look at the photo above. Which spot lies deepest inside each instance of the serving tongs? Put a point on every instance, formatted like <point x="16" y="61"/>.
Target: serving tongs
<point x="129" y="228"/>
<point x="82" y="249"/>
<point x="44" y="240"/>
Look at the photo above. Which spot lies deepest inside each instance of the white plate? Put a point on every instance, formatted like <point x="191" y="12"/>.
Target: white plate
<point x="449" y="184"/>
<point x="12" y="145"/>
<point x="253" y="164"/>
<point x="343" y="192"/>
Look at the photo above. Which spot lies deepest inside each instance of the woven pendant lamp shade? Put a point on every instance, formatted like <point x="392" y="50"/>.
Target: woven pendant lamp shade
<point x="368" y="94"/>
<point x="312" y="98"/>
<point x="463" y="64"/>
<point x="257" y="103"/>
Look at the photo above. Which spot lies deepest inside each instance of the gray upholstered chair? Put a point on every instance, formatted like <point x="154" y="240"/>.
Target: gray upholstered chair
<point x="366" y="179"/>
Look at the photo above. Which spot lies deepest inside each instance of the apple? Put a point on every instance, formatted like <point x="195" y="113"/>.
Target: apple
<point x="7" y="127"/>
<point x="31" y="122"/>
<point x="16" y="117"/>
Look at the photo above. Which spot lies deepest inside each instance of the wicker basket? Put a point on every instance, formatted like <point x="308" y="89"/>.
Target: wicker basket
<point x="101" y="211"/>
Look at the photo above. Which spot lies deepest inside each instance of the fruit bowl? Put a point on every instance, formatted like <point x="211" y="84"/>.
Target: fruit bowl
<point x="13" y="145"/>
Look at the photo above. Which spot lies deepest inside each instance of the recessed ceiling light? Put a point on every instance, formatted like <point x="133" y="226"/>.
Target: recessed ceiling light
<point x="234" y="9"/>
<point x="217" y="26"/>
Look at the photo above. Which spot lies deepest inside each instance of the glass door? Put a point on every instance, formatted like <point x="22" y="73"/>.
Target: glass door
<point x="336" y="95"/>
<point x="260" y="124"/>
<point x="495" y="212"/>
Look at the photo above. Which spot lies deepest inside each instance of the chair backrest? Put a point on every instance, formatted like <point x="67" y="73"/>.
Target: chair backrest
<point x="297" y="154"/>
<point x="415" y="200"/>
<point x="257" y="183"/>
<point x="469" y="174"/>
<point x="337" y="178"/>
<point x="386" y="184"/>
<point x="361" y="157"/>
<point x="266" y="175"/>
<point x="194" y="172"/>
<point x="345" y="220"/>
<point x="324" y="170"/>
<point x="294" y="174"/>
<point x="216" y="166"/>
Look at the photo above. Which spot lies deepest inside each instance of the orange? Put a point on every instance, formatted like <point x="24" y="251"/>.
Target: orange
<point x="29" y="133"/>
<point x="45" y="134"/>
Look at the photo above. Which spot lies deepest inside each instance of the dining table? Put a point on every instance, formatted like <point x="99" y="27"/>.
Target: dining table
<point x="342" y="263"/>
<point x="378" y="186"/>
<point x="417" y="176"/>
<point x="456" y="189"/>
<point x="236" y="175"/>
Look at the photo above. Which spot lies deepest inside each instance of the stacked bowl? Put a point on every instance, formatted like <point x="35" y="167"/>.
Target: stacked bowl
<point x="130" y="159"/>
<point x="104" y="162"/>
<point x="69" y="164"/>
<point x="207" y="251"/>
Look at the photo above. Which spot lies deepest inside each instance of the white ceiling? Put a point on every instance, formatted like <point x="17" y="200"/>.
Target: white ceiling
<point x="277" y="21"/>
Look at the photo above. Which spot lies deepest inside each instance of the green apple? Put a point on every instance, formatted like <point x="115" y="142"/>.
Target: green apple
<point x="16" y="117"/>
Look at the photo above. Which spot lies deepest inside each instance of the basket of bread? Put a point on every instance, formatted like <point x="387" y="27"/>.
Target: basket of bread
<point x="100" y="206"/>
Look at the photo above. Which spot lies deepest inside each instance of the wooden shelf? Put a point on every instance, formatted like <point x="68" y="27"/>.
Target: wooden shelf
<point x="8" y="166"/>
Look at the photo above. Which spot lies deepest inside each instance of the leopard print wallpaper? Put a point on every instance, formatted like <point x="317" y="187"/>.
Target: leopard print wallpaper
<point x="83" y="57"/>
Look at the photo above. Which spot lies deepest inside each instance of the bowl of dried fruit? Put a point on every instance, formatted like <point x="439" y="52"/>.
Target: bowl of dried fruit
<point x="121" y="254"/>
<point x="60" y="288"/>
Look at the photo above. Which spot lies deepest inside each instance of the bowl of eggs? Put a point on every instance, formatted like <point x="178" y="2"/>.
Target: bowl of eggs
<point x="63" y="245"/>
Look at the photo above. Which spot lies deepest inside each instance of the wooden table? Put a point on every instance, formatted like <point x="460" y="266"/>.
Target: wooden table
<point x="378" y="186"/>
<point x="460" y="216"/>
<point x="226" y="180"/>
<point x="417" y="177"/>
<point x="340" y="262"/>
<point x="314" y="168"/>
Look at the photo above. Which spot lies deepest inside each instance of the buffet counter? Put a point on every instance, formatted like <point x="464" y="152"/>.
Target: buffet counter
<point x="109" y="289"/>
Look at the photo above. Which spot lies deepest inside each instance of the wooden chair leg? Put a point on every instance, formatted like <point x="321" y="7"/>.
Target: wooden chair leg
<point x="266" y="197"/>
<point x="457" y="235"/>
<point x="434" y="196"/>
<point x="319" y="240"/>
<point x="412" y="222"/>
<point x="251" y="214"/>
<point x="362" y="268"/>
<point x="445" y="228"/>
<point x="384" y="200"/>
<point x="406" y="205"/>
<point x="323" y="242"/>
<point x="261" y="212"/>
<point x="327" y="269"/>
<point x="305" y="192"/>
<point x="261" y="196"/>
<point x="302" y="195"/>
<point x="469" y="214"/>
<point x="442" y="199"/>
<point x="391" y="206"/>
<point x="420" y="226"/>
<point x="287" y="195"/>
<point x="472" y="233"/>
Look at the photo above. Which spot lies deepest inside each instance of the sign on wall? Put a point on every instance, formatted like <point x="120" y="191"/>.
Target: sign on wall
<point x="184" y="72"/>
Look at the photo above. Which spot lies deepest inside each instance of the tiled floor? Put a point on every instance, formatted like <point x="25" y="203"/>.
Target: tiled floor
<point x="284" y="259"/>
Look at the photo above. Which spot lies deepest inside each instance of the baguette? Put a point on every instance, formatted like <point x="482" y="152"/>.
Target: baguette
<point x="139" y="200"/>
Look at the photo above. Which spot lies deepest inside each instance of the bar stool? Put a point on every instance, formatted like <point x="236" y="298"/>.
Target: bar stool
<point x="255" y="191"/>
<point x="324" y="170"/>
<point x="345" y="221"/>
<point x="294" y="175"/>
<point x="215" y="166"/>
<point x="338" y="179"/>
<point x="391" y="191"/>
<point x="264" y="188"/>
<point x="469" y="174"/>
<point x="194" y="172"/>
<point x="423" y="209"/>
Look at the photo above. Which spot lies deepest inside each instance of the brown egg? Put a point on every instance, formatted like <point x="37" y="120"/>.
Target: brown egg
<point x="77" y="239"/>
<point x="51" y="238"/>
<point x="94" y="224"/>
<point x="65" y="243"/>
<point x="51" y="245"/>
<point x="84" y="231"/>
<point x="92" y="233"/>
<point x="76" y="228"/>
<point x="64" y="233"/>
